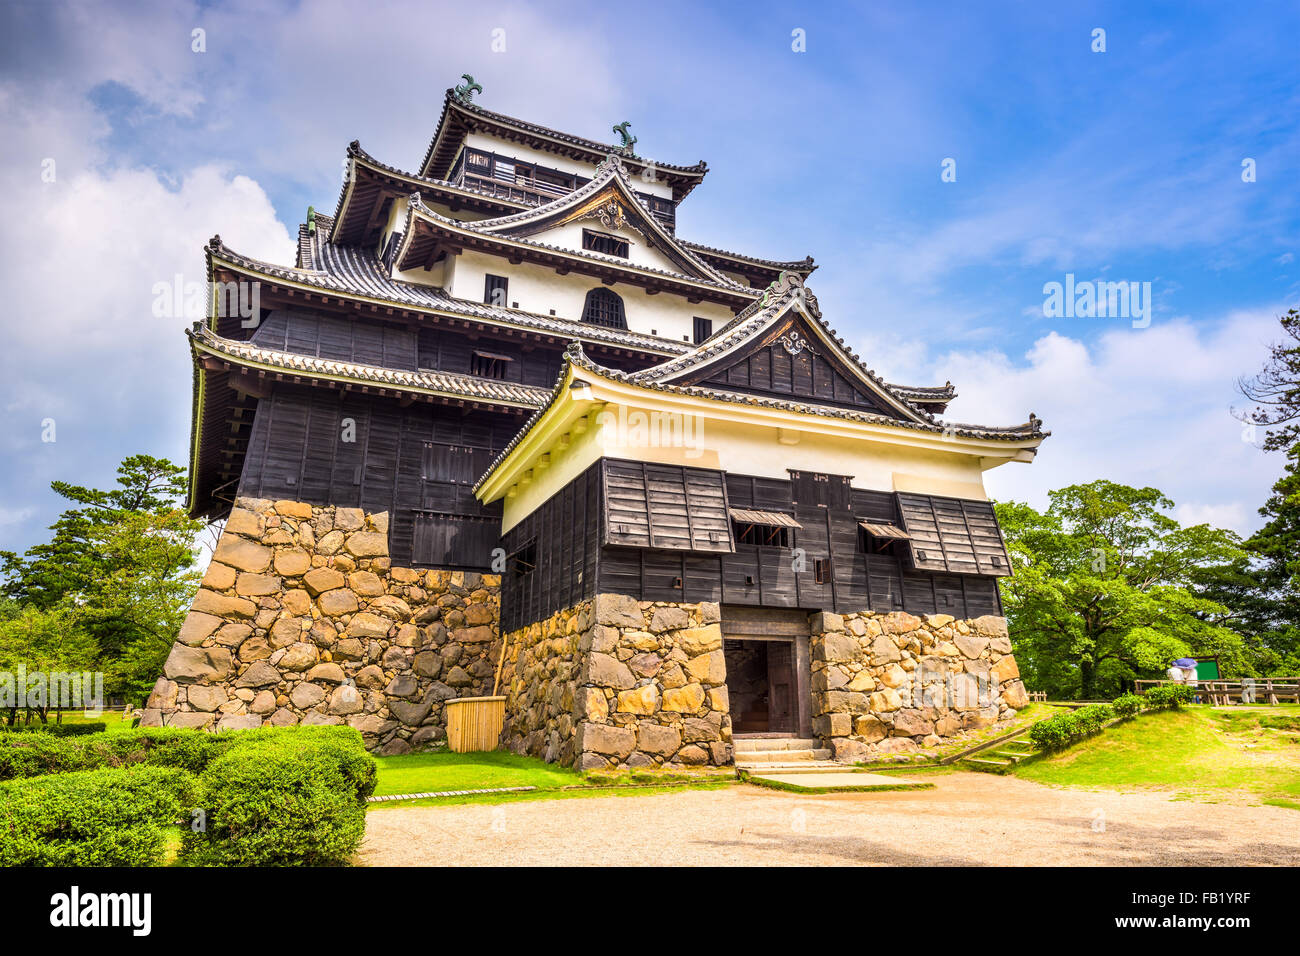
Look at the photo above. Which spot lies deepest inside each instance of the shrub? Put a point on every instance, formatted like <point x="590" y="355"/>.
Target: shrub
<point x="288" y="799"/>
<point x="58" y="730"/>
<point x="1059" y="732"/>
<point x="32" y="754"/>
<point x="1052" y="733"/>
<point x="1168" y="696"/>
<point x="103" y="817"/>
<point x="1127" y="705"/>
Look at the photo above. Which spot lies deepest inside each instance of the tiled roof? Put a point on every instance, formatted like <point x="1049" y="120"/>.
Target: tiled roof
<point x="926" y="393"/>
<point x="775" y="302"/>
<point x="576" y="358"/>
<point x="424" y="381"/>
<point x="804" y="266"/>
<point x="459" y="227"/>
<point x="610" y="173"/>
<point x="439" y="187"/>
<point x="349" y="271"/>
<point x="472" y="112"/>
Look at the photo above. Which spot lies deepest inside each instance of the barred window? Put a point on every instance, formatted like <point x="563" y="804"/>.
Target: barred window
<point x="603" y="242"/>
<point x="494" y="290"/>
<point x="604" y="307"/>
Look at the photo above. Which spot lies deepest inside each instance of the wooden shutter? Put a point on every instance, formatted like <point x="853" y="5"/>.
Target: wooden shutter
<point x="666" y="506"/>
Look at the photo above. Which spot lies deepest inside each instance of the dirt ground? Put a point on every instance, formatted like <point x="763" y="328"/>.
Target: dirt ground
<point x="969" y="819"/>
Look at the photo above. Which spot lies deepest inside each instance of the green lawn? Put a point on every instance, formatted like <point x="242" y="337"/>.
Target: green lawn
<point x="112" y="719"/>
<point x="1197" y="752"/>
<point x="439" y="772"/>
<point x="432" y="772"/>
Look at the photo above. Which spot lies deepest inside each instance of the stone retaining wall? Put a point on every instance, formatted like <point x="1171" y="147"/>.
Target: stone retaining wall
<point x="617" y="682"/>
<point x="302" y="619"/>
<point x="895" y="683"/>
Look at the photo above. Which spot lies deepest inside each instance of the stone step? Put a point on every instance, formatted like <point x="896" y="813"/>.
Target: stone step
<point x="989" y="766"/>
<point x="782" y="756"/>
<point x="748" y="744"/>
<point x="807" y="766"/>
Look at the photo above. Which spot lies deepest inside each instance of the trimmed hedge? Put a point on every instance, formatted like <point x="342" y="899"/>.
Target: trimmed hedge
<point x="57" y="730"/>
<point x="284" y="802"/>
<point x="1063" y="730"/>
<point x="33" y="754"/>
<point x="92" y="818"/>
<point x="1057" y="733"/>
<point x="271" y="796"/>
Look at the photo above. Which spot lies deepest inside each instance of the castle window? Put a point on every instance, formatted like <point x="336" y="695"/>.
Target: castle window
<point x="822" y="570"/>
<point x="604" y="307"/>
<point x="603" y="242"/>
<point x="761" y="534"/>
<point x="494" y="289"/>
<point x="703" y="329"/>
<point x="489" y="364"/>
<point x="523" y="561"/>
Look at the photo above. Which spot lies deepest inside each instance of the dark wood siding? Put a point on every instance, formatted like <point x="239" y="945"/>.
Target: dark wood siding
<point x="565" y="533"/>
<point x="774" y="371"/>
<point x="577" y="558"/>
<point x="360" y="451"/>
<point x="372" y="342"/>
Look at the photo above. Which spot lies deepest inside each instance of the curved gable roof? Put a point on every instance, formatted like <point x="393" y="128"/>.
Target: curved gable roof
<point x="769" y="314"/>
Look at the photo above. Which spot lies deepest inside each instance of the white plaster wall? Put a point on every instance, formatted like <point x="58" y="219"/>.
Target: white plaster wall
<point x="538" y="289"/>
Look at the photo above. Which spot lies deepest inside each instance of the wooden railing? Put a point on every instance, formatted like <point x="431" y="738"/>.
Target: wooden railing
<point x="1256" y="690"/>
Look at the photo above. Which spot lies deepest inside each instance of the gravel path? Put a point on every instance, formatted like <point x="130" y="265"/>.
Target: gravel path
<point x="969" y="819"/>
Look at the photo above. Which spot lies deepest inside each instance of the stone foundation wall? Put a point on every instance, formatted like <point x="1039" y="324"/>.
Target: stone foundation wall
<point x="616" y="682"/>
<point x="895" y="683"/>
<point x="302" y="619"/>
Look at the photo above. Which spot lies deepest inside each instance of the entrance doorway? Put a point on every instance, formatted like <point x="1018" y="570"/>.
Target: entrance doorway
<point x="766" y="653"/>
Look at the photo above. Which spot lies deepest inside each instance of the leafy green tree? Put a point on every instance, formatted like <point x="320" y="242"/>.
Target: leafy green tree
<point x="45" y="640"/>
<point x="120" y="565"/>
<point x="1104" y="588"/>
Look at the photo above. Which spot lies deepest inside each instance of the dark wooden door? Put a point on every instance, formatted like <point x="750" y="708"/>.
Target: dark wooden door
<point x="781" y="686"/>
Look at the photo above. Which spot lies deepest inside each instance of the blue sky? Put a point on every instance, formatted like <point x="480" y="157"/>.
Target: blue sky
<point x="1117" y="165"/>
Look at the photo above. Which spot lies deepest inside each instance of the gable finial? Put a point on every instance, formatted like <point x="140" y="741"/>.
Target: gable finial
<point x="465" y="91"/>
<point x="311" y="220"/>
<point x="628" y="139"/>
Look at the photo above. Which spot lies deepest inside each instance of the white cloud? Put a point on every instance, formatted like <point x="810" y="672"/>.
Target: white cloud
<point x="1141" y="407"/>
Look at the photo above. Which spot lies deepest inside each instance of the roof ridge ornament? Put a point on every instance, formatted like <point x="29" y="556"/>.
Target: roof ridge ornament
<point x="628" y="140"/>
<point x="465" y="91"/>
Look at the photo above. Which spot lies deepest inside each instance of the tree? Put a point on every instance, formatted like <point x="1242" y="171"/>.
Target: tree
<point x="42" y="641"/>
<point x="120" y="567"/>
<point x="1104" y="588"/>
<point x="1275" y="391"/>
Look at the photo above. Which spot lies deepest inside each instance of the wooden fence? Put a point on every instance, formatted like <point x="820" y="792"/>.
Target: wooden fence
<point x="1261" y="690"/>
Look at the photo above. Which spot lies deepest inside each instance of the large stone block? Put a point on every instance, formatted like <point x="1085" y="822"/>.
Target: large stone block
<point x="222" y="605"/>
<point x="605" y="671"/>
<point x="1004" y="670"/>
<point x="641" y="700"/>
<point x="618" y="610"/>
<point x="683" y="700"/>
<point x="242" y="554"/>
<point x="198" y="627"/>
<point x="189" y="664"/>
<point x="1015" y="695"/>
<point x="654" y="738"/>
<point x="604" y="739"/>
